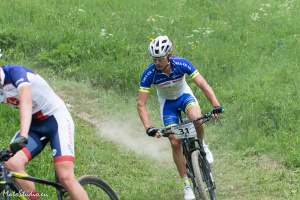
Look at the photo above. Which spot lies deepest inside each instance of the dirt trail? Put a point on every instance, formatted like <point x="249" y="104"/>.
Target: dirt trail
<point x="128" y="133"/>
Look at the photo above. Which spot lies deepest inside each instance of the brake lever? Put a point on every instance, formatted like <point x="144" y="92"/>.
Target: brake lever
<point x="5" y="155"/>
<point x="165" y="132"/>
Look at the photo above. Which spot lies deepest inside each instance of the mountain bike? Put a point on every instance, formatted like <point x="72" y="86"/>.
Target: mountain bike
<point x="198" y="168"/>
<point x="10" y="190"/>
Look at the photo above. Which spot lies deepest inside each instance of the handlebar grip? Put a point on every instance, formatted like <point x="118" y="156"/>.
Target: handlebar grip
<point x="5" y="155"/>
<point x="218" y="110"/>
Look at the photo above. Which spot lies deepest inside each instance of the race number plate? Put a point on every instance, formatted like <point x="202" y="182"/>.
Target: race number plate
<point x="184" y="131"/>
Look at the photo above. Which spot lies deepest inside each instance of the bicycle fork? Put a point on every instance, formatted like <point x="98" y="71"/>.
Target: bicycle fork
<point x="186" y="144"/>
<point x="206" y="171"/>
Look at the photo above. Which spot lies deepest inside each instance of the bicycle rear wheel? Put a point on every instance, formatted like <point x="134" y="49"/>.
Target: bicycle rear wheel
<point x="204" y="187"/>
<point x="97" y="189"/>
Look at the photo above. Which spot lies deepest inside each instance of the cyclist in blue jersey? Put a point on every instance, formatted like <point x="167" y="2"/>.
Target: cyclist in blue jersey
<point x="167" y="75"/>
<point x="43" y="118"/>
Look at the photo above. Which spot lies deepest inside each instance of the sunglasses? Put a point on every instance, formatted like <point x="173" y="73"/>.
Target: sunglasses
<point x="159" y="59"/>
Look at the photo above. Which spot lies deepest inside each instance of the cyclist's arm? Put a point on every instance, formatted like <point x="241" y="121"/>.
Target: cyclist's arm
<point x="142" y="110"/>
<point x="25" y="107"/>
<point x="207" y="90"/>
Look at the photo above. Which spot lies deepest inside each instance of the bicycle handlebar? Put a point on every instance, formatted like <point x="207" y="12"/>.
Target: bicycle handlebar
<point x="209" y="115"/>
<point x="165" y="132"/>
<point x="5" y="155"/>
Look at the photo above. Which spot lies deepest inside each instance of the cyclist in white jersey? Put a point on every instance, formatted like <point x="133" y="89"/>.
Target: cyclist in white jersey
<point x="167" y="74"/>
<point x="43" y="118"/>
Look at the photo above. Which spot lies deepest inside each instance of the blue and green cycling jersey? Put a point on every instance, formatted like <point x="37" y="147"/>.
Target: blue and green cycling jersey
<point x="172" y="90"/>
<point x="169" y="86"/>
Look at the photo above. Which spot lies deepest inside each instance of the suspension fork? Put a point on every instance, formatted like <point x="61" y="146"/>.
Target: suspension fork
<point x="187" y="151"/>
<point x="206" y="170"/>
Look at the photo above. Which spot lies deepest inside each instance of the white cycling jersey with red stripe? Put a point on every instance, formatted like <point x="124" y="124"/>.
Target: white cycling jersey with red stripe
<point x="44" y="101"/>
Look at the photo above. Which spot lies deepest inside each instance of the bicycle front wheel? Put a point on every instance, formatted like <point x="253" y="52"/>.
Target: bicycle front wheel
<point x="97" y="188"/>
<point x="204" y="187"/>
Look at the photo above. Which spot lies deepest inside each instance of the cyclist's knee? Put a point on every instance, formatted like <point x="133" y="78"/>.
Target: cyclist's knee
<point x="175" y="143"/>
<point x="199" y="124"/>
<point x="66" y="177"/>
<point x="65" y="173"/>
<point x="17" y="162"/>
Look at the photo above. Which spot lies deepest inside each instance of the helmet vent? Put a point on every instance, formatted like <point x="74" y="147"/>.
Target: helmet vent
<point x="157" y="43"/>
<point x="160" y="46"/>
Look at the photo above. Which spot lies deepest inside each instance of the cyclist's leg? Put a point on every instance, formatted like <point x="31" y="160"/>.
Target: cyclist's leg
<point x="170" y="117"/>
<point x="178" y="156"/>
<point x="18" y="162"/>
<point x="62" y="144"/>
<point x="193" y="111"/>
<point x="180" y="162"/>
<point x="65" y="173"/>
<point x="169" y="110"/>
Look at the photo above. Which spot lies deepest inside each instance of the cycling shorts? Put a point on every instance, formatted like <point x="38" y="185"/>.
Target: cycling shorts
<point x="169" y="108"/>
<point x="58" y="129"/>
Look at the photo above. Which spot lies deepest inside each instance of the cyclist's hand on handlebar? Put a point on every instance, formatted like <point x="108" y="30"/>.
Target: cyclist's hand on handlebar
<point x="216" y="111"/>
<point x="152" y="132"/>
<point x="18" y="144"/>
<point x="158" y="135"/>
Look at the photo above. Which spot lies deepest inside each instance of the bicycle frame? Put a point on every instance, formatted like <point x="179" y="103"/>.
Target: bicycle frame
<point x="192" y="146"/>
<point x="5" y="180"/>
<point x="9" y="187"/>
<point x="8" y="176"/>
<point x="59" y="188"/>
<point x="188" y="146"/>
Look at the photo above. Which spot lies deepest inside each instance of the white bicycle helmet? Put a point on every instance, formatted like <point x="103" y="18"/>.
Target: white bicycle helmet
<point x="160" y="46"/>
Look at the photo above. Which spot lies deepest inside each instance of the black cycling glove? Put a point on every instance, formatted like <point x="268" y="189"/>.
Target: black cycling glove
<point x="18" y="144"/>
<point x="151" y="131"/>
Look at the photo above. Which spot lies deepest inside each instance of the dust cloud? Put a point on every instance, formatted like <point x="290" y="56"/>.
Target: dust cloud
<point x="127" y="131"/>
<point x="115" y="117"/>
